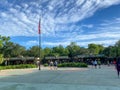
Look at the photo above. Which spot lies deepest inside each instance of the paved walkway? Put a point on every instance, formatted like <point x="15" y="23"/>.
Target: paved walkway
<point x="64" y="79"/>
<point x="14" y="72"/>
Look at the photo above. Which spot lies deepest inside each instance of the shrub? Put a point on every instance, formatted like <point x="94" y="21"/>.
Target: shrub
<point x="72" y="65"/>
<point x="21" y="66"/>
<point x="45" y="64"/>
<point x="84" y="65"/>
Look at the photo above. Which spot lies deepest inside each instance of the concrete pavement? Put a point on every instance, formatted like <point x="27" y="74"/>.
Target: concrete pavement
<point x="64" y="79"/>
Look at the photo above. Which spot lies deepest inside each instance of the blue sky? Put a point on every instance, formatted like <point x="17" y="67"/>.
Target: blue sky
<point x="62" y="21"/>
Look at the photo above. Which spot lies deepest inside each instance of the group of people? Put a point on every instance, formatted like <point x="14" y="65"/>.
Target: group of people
<point x="116" y="62"/>
<point x="53" y="65"/>
<point x="95" y="63"/>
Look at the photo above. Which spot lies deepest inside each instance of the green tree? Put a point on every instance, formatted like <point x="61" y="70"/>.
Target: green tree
<point x="93" y="49"/>
<point x="18" y="50"/>
<point x="11" y="49"/>
<point x="66" y="52"/>
<point x="3" y="41"/>
<point x="73" y="49"/>
<point x="1" y="58"/>
<point x="117" y="48"/>
<point x="109" y="51"/>
<point x="83" y="51"/>
<point x="101" y="48"/>
<point x="34" y="51"/>
<point x="7" y="49"/>
<point x="118" y="43"/>
<point x="47" y="51"/>
<point x="60" y="51"/>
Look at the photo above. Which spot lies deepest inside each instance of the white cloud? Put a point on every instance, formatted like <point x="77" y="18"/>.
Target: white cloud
<point x="59" y="18"/>
<point x="88" y="26"/>
<point x="13" y="10"/>
<point x="79" y="2"/>
<point x="25" y="5"/>
<point x="3" y="14"/>
<point x="99" y="36"/>
<point x="54" y="13"/>
<point x="55" y="43"/>
<point x="104" y="31"/>
<point x="31" y="43"/>
<point x="3" y="1"/>
<point x="103" y="42"/>
<point x="82" y="44"/>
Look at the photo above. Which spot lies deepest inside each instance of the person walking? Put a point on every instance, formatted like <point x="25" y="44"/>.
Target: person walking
<point x="55" y="65"/>
<point x="51" y="64"/>
<point x="95" y="63"/>
<point x="118" y="66"/>
<point x="92" y="63"/>
<point x="108" y="63"/>
<point x="99" y="63"/>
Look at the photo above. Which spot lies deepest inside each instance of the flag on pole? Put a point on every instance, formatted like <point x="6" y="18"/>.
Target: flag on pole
<point x="39" y="27"/>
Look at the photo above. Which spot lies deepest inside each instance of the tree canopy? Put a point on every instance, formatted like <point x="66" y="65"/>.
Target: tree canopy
<point x="11" y="49"/>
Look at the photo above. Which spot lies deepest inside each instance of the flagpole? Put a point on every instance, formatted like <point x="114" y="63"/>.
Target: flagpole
<point x="39" y="31"/>
<point x="40" y="43"/>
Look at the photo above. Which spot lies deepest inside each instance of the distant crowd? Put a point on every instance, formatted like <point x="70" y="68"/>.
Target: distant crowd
<point x="53" y="65"/>
<point x="116" y="63"/>
<point x="95" y="63"/>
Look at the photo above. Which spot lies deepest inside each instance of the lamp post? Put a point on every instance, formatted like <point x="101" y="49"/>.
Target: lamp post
<point x="38" y="63"/>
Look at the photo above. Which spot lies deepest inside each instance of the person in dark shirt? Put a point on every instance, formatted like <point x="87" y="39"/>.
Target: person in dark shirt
<point x="118" y="65"/>
<point x="55" y="65"/>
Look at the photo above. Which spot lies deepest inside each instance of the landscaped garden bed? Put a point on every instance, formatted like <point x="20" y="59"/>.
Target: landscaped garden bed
<point x="21" y="66"/>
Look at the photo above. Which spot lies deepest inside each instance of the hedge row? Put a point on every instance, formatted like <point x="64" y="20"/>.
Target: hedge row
<point x="22" y="66"/>
<point x="45" y="65"/>
<point x="72" y="65"/>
